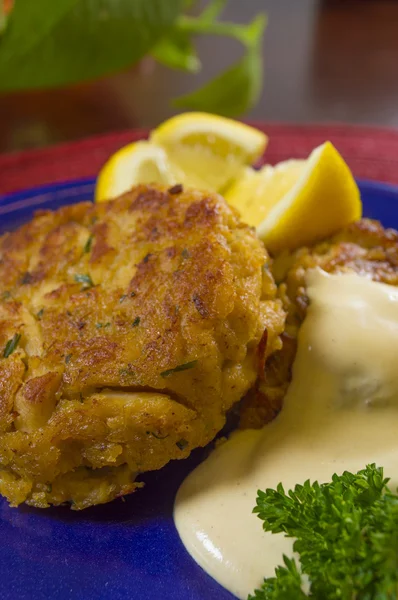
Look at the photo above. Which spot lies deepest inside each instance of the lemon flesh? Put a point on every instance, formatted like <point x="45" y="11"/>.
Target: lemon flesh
<point x="209" y="148"/>
<point x="199" y="150"/>
<point x="140" y="162"/>
<point x="298" y="202"/>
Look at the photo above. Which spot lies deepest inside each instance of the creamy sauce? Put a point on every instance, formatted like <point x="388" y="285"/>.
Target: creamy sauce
<point x="340" y="413"/>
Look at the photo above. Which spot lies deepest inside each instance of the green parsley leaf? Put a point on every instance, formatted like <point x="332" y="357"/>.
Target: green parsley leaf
<point x="182" y="444"/>
<point x="126" y="372"/>
<point x="11" y="345"/>
<point x="67" y="358"/>
<point x="88" y="245"/>
<point x="101" y="325"/>
<point x="136" y="322"/>
<point x="346" y="537"/>
<point x="184" y="367"/>
<point x="40" y="314"/>
<point x="85" y="280"/>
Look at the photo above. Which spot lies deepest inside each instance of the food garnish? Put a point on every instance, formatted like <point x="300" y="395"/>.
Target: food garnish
<point x="88" y="244"/>
<point x="346" y="538"/>
<point x="298" y="202"/>
<point x="178" y="368"/>
<point x="294" y="203"/>
<point x="11" y="345"/>
<point x="85" y="280"/>
<point x="194" y="149"/>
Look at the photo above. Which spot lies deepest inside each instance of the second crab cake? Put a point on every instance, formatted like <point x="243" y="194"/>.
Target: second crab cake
<point x="127" y="331"/>
<point x="365" y="248"/>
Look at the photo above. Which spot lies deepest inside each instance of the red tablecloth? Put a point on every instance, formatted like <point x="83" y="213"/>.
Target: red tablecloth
<point x="371" y="153"/>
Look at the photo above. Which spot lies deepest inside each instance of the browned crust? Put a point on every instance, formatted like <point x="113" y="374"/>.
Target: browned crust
<point x="364" y="247"/>
<point x="114" y="296"/>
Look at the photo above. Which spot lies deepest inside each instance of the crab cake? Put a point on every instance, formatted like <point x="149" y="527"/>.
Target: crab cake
<point x="364" y="247"/>
<point x="127" y="331"/>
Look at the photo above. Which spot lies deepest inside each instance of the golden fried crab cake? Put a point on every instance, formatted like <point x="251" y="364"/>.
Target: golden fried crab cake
<point x="127" y="331"/>
<point x="364" y="247"/>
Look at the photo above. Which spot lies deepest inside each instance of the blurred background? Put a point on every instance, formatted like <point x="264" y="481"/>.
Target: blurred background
<point x="325" y="61"/>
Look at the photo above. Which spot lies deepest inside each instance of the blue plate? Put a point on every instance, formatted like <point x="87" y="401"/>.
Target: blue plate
<point x="122" y="550"/>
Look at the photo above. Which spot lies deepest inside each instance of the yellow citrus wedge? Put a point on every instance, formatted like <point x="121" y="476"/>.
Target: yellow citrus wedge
<point x="141" y="162"/>
<point x="209" y="149"/>
<point x="298" y="202"/>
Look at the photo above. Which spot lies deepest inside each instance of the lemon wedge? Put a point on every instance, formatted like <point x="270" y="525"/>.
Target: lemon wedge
<point x="298" y="202"/>
<point x="199" y="150"/>
<point x="140" y="162"/>
<point x="209" y="149"/>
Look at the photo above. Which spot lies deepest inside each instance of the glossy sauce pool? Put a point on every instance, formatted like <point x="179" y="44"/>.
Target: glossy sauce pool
<point x="340" y="413"/>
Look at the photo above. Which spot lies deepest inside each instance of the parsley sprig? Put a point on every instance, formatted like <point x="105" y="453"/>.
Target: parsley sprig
<point x="346" y="538"/>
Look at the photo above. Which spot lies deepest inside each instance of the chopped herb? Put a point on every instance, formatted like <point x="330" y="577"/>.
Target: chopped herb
<point x="132" y="294"/>
<point x="100" y="325"/>
<point x="122" y="298"/>
<point x="67" y="358"/>
<point x="176" y="189"/>
<point x="136" y="322"/>
<point x="127" y="371"/>
<point x="85" y="280"/>
<point x="6" y="295"/>
<point x="146" y="258"/>
<point x="182" y="444"/>
<point x="11" y="345"/>
<point x="40" y="314"/>
<point x="88" y="244"/>
<point x="81" y="397"/>
<point x="185" y="253"/>
<point x="184" y="367"/>
<point x="27" y="278"/>
<point x="345" y="538"/>
<point x="158" y="437"/>
<point x="49" y="488"/>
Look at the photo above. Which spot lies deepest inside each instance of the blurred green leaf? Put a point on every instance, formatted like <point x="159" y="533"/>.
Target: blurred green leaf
<point x="177" y="52"/>
<point x="213" y="10"/>
<point x="3" y="18"/>
<point x="236" y="90"/>
<point x="50" y="43"/>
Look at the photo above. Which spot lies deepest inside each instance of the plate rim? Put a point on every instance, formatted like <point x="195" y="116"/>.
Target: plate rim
<point x="69" y="184"/>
